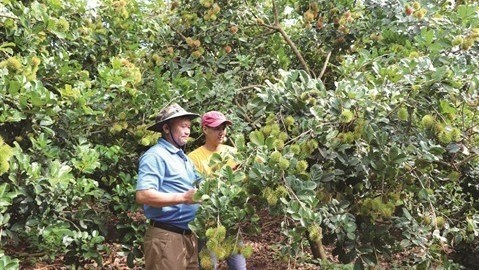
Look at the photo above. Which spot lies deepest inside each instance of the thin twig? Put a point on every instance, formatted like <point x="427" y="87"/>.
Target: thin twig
<point x="325" y="65"/>
<point x="249" y="87"/>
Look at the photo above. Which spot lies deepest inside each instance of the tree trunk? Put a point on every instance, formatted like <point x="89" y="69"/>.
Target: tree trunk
<point x="317" y="246"/>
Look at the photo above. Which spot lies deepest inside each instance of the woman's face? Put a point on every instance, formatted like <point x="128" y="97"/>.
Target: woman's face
<point x="215" y="135"/>
<point x="178" y="130"/>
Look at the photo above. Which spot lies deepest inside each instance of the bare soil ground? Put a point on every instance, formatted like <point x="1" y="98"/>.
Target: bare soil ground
<point x="265" y="255"/>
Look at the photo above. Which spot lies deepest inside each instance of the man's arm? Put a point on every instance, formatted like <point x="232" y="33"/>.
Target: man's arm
<point x="155" y="198"/>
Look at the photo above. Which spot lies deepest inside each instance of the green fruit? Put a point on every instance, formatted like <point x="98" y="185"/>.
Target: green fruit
<point x="145" y="141"/>
<point x="206" y="3"/>
<point x="349" y="137"/>
<point x="346" y="116"/>
<point x="467" y="44"/>
<point x="275" y="129"/>
<point x="283" y="164"/>
<point x="270" y="119"/>
<point x="427" y="220"/>
<point x="196" y="54"/>
<point x="206" y="262"/>
<point x="419" y="14"/>
<point x="275" y="157"/>
<point x="270" y="196"/>
<point x="444" y="137"/>
<point x="314" y="233"/>
<point x="266" y="130"/>
<point x="295" y="149"/>
<point x="440" y="222"/>
<point x="314" y="143"/>
<point x="247" y="251"/>
<point x="210" y="232"/>
<point x="457" y="41"/>
<point x="438" y="128"/>
<point x="220" y="252"/>
<point x="289" y="121"/>
<point x="283" y="136"/>
<point x="220" y="233"/>
<point x="301" y="166"/>
<point x="12" y="64"/>
<point x="116" y="128"/>
<point x="455" y="134"/>
<point x="403" y="114"/>
<point x="278" y="144"/>
<point x="272" y="199"/>
<point x="259" y="159"/>
<point x="428" y="121"/>
<point x="281" y="191"/>
<point x="311" y="101"/>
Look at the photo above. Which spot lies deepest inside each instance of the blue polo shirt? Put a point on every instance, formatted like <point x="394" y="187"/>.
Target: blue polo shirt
<point x="167" y="169"/>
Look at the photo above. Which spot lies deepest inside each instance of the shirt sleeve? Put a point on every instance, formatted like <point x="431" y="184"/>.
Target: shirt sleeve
<point x="151" y="172"/>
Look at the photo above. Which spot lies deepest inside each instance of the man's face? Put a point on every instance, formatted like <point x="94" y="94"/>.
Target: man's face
<point x="215" y="134"/>
<point x="179" y="130"/>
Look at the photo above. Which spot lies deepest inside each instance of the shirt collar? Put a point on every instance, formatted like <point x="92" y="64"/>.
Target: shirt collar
<point x="170" y="147"/>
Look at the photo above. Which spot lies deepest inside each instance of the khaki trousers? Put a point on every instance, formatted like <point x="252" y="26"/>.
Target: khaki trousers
<point x="165" y="250"/>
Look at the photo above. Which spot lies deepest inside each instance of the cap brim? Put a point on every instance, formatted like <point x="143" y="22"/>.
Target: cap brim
<point x="219" y="122"/>
<point x="158" y="126"/>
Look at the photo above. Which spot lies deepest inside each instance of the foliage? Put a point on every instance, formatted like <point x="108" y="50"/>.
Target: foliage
<point x="355" y="121"/>
<point x="7" y="262"/>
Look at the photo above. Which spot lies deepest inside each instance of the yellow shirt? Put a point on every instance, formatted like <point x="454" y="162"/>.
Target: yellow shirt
<point x="201" y="157"/>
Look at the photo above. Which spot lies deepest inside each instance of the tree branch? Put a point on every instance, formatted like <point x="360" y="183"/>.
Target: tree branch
<point x="249" y="87"/>
<point x="325" y="65"/>
<point x="288" y="40"/>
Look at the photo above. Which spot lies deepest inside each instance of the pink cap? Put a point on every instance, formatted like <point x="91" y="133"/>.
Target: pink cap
<point x="214" y="119"/>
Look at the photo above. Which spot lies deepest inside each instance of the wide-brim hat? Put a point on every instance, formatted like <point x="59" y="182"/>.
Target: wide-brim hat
<point x="172" y="111"/>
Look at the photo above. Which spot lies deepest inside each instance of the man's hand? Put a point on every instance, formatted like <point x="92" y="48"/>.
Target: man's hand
<point x="188" y="196"/>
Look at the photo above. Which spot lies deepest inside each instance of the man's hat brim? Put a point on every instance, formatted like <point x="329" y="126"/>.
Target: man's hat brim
<point x="158" y="126"/>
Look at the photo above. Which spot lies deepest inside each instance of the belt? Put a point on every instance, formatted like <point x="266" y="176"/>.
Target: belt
<point x="169" y="228"/>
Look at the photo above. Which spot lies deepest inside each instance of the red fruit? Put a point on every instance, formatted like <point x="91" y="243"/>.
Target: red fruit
<point x="409" y="11"/>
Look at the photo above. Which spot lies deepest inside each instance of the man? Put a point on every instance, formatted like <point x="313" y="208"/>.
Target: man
<point x="165" y="187"/>
<point x="213" y="125"/>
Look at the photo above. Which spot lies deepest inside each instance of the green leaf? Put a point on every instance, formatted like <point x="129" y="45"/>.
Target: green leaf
<point x="437" y="150"/>
<point x="13" y="87"/>
<point x="257" y="138"/>
<point x="407" y="214"/>
<point x="446" y="108"/>
<point x="315" y="173"/>
<point x="309" y="185"/>
<point x="358" y="264"/>
<point x="453" y="148"/>
<point x="240" y="142"/>
<point x="466" y="12"/>
<point x="60" y="174"/>
<point x="327" y="177"/>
